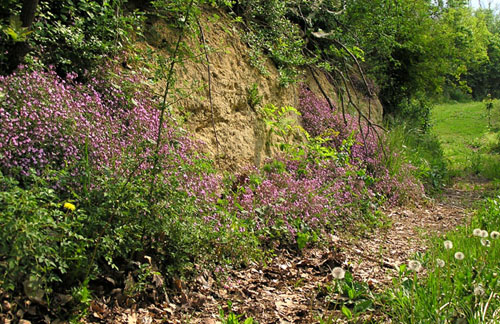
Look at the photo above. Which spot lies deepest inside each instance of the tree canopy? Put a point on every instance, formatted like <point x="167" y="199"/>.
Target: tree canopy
<point x="412" y="51"/>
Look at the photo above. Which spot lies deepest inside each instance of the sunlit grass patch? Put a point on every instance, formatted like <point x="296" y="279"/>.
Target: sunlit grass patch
<point x="469" y="137"/>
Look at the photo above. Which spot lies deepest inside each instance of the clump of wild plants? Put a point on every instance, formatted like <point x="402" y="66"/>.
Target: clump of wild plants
<point x="76" y="165"/>
<point x="336" y="176"/>
<point x="460" y="281"/>
<point x="50" y="122"/>
<point x="365" y="152"/>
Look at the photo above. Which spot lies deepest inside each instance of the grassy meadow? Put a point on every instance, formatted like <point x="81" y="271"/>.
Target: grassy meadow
<point x="469" y="137"/>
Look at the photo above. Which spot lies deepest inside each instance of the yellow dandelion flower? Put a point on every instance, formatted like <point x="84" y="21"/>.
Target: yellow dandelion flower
<point x="69" y="206"/>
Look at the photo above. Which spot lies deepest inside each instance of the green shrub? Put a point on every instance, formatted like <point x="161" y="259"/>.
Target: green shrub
<point x="270" y="31"/>
<point x="75" y="36"/>
<point x="455" y="94"/>
<point x="133" y="221"/>
<point x="41" y="241"/>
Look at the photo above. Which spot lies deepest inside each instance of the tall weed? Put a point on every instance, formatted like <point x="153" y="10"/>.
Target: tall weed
<point x="412" y="146"/>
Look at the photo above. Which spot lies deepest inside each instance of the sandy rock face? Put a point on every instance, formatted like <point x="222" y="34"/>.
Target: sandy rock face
<point x="233" y="130"/>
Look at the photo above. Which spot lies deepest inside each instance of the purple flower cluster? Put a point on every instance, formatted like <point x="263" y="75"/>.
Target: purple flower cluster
<point x="295" y="194"/>
<point x="281" y="201"/>
<point x="109" y="124"/>
<point x="50" y="122"/>
<point x="299" y="196"/>
<point x="318" y="118"/>
<point x="46" y="121"/>
<point x="365" y="153"/>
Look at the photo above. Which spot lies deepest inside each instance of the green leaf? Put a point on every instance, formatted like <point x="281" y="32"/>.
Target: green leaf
<point x="9" y="31"/>
<point x="346" y="312"/>
<point x="348" y="277"/>
<point x="351" y="293"/>
<point x="363" y="306"/>
<point x="302" y="239"/>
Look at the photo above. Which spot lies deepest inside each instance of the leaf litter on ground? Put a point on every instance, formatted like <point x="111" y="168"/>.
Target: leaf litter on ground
<point x="288" y="289"/>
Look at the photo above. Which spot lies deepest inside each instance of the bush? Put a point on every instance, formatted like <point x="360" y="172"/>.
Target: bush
<point x="277" y="204"/>
<point x="75" y="36"/>
<point x="100" y="139"/>
<point x="415" y="112"/>
<point x="270" y="31"/>
<point x="339" y="170"/>
<point x="364" y="150"/>
<point x="55" y="123"/>
<point x="95" y="143"/>
<point x="41" y="241"/>
<point x="319" y="118"/>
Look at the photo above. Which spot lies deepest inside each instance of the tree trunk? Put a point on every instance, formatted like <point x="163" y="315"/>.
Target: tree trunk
<point x="28" y="12"/>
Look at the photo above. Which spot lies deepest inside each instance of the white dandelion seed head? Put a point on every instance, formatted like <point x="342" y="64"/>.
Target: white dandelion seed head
<point x="477" y="232"/>
<point x="440" y="263"/>
<point x="414" y="265"/>
<point x="485" y="242"/>
<point x="484" y="234"/>
<point x="494" y="235"/>
<point x="338" y="273"/>
<point x="459" y="256"/>
<point x="479" y="290"/>
<point x="448" y="245"/>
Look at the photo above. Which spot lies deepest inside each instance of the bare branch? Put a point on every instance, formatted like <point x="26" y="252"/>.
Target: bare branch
<point x="360" y="69"/>
<point x="370" y="124"/>
<point x="203" y="40"/>
<point x="163" y="107"/>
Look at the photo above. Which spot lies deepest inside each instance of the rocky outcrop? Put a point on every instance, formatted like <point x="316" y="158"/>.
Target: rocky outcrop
<point x="232" y="127"/>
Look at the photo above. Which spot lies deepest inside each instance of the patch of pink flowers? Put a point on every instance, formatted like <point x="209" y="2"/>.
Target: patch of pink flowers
<point x="300" y="194"/>
<point x="50" y="122"/>
<point x="365" y="153"/>
<point x="318" y="118"/>
<point x="282" y="201"/>
<point x="47" y="121"/>
<point x="109" y="124"/>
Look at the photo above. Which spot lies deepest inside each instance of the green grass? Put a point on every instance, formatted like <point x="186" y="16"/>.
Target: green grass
<point x="456" y="281"/>
<point x="422" y="150"/>
<point x="461" y="290"/>
<point x="469" y="141"/>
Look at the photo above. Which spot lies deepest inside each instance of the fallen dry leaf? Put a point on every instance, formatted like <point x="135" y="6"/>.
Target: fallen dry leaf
<point x="132" y="318"/>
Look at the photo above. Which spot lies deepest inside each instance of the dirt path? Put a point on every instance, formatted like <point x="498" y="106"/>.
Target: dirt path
<point x="291" y="289"/>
